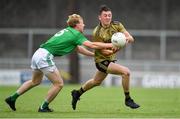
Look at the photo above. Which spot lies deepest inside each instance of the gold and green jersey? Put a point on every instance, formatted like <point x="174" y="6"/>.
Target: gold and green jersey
<point x="103" y="34"/>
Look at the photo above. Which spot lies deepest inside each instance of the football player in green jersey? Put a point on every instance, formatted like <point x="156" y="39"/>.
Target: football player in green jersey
<point x="105" y="58"/>
<point x="62" y="43"/>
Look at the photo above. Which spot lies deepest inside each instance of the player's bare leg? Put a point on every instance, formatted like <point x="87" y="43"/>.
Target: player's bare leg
<point x="57" y="82"/>
<point x="114" y="68"/>
<point x="36" y="80"/>
<point x="96" y="81"/>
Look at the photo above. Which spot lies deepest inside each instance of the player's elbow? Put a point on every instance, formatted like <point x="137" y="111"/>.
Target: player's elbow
<point x="131" y="39"/>
<point x="106" y="53"/>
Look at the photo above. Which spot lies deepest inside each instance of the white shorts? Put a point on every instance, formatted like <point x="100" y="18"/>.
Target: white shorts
<point x="42" y="59"/>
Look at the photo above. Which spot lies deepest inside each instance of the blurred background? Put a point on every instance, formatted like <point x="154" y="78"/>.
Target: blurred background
<point x="154" y="58"/>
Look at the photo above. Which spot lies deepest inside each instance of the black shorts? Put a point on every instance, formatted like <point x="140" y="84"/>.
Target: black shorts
<point x="102" y="66"/>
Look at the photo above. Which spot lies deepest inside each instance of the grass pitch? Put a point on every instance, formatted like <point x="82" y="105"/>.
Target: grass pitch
<point x="100" y="102"/>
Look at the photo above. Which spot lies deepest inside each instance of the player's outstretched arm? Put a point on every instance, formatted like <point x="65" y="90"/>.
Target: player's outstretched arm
<point x="97" y="45"/>
<point x="84" y="51"/>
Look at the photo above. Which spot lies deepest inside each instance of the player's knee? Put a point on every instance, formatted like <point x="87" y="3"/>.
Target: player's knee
<point x="59" y="85"/>
<point x="126" y="73"/>
<point x="35" y="83"/>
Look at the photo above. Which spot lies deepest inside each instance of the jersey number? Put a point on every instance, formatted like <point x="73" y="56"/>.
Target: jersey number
<point x="60" y="32"/>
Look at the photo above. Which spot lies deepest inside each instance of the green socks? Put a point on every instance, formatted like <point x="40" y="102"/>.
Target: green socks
<point x="14" y="96"/>
<point x="44" y="105"/>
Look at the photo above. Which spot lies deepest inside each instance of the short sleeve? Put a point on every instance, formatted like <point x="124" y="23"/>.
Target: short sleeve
<point x="80" y="39"/>
<point x="121" y="28"/>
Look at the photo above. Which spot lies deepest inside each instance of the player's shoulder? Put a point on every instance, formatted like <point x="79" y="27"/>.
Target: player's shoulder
<point x="116" y="23"/>
<point x="96" y="29"/>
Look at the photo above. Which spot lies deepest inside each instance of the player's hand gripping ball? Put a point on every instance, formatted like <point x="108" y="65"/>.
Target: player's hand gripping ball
<point x="118" y="40"/>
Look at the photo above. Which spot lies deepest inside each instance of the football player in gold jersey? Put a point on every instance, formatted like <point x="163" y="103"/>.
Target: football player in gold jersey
<point x="105" y="59"/>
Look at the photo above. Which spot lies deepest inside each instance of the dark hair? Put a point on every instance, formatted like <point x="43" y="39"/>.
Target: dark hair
<point x="104" y="8"/>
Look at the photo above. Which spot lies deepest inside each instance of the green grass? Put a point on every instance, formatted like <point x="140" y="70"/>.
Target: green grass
<point x="100" y="102"/>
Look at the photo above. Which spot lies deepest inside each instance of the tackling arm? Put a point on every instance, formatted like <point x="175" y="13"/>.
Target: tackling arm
<point x="97" y="45"/>
<point x="84" y="51"/>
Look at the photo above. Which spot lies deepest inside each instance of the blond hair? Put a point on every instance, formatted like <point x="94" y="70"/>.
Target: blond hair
<point x="73" y="20"/>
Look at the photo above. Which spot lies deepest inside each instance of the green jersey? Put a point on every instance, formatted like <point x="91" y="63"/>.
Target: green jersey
<point x="64" y="42"/>
<point x="103" y="34"/>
